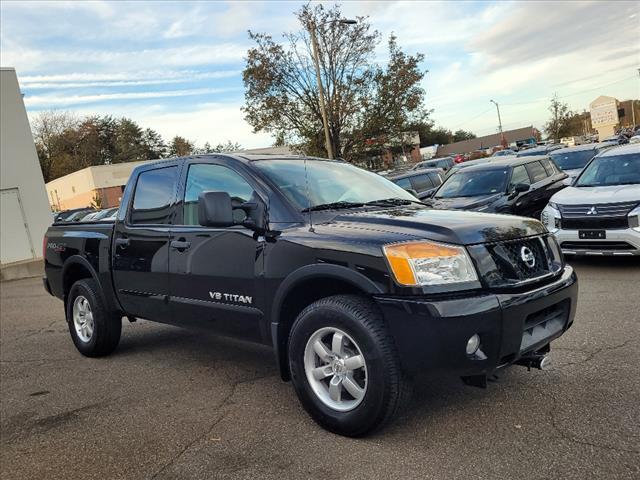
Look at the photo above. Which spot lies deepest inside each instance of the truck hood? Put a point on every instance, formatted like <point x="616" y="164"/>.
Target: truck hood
<point x="463" y="203"/>
<point x="597" y="195"/>
<point x="449" y="226"/>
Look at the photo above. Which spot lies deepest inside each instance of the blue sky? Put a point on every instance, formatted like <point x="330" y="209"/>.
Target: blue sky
<point x="176" y="66"/>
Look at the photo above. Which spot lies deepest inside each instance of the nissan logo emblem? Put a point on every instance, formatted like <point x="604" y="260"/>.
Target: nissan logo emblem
<point x="527" y="257"/>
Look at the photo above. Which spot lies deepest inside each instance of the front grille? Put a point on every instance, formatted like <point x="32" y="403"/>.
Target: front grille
<point x="594" y="245"/>
<point x="508" y="257"/>
<point x="595" y="223"/>
<point x="589" y="210"/>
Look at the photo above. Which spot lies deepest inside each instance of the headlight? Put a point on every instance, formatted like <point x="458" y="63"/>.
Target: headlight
<point x="429" y="263"/>
<point x="634" y="218"/>
<point x="551" y="217"/>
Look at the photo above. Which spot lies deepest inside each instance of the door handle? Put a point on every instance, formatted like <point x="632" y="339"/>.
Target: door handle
<point x="122" y="242"/>
<point x="180" y="245"/>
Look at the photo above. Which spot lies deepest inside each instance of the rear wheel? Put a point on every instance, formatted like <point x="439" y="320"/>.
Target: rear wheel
<point x="94" y="329"/>
<point x="344" y="365"/>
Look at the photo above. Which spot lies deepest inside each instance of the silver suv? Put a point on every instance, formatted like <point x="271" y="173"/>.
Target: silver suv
<point x="599" y="214"/>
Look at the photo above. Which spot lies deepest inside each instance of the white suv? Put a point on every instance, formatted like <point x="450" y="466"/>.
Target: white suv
<point x="600" y="213"/>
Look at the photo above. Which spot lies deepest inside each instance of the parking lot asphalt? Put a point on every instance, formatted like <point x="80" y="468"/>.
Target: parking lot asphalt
<point x="171" y="403"/>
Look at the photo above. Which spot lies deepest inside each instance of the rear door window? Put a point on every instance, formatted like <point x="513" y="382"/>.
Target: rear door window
<point x="154" y="196"/>
<point x="421" y="183"/>
<point x="536" y="171"/>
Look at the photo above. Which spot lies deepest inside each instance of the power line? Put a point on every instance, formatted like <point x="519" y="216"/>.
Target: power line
<point x="466" y="122"/>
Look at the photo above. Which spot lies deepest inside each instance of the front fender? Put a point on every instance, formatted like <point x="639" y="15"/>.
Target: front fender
<point x="279" y="333"/>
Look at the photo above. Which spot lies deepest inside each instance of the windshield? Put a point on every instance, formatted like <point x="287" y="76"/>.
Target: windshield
<point x="611" y="170"/>
<point x="573" y="160"/>
<point x="328" y="182"/>
<point x="473" y="183"/>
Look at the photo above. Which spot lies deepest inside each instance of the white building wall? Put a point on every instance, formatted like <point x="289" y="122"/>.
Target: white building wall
<point x="25" y="213"/>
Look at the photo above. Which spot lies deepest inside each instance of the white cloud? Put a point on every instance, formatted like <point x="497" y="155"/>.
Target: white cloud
<point x="56" y="100"/>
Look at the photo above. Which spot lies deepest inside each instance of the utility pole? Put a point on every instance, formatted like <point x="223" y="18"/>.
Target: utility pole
<point x="316" y="61"/>
<point x="503" y="140"/>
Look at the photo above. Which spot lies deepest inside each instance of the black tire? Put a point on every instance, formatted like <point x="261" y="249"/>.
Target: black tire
<point x="107" y="325"/>
<point x="387" y="389"/>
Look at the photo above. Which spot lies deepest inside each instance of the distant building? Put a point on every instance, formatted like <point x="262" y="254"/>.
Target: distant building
<point x="25" y="213"/>
<point x="98" y="185"/>
<point x="517" y="136"/>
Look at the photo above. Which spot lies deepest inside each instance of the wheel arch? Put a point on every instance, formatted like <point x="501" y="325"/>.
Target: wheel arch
<point x="77" y="268"/>
<point x="303" y="287"/>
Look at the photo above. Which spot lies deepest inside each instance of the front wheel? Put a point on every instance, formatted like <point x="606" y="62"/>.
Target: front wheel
<point x="94" y="329"/>
<point x="344" y="365"/>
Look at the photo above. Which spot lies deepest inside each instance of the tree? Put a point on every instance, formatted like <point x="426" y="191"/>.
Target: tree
<point x="461" y="135"/>
<point x="129" y="144"/>
<point x="364" y="101"/>
<point x="153" y="145"/>
<point x="48" y="133"/>
<point x="180" y="147"/>
<point x="227" y="147"/>
<point x="559" y="125"/>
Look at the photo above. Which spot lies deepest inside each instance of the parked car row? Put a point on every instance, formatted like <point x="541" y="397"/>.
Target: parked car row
<point x="588" y="196"/>
<point x="86" y="215"/>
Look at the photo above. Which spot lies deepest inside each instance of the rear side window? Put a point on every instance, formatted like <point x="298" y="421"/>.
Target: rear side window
<point x="153" y="197"/>
<point x="421" y="183"/>
<point x="550" y="167"/>
<point x="436" y="179"/>
<point x="520" y="175"/>
<point x="404" y="183"/>
<point x="206" y="177"/>
<point x="536" y="171"/>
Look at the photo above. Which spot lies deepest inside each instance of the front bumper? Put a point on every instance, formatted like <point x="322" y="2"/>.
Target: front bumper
<point x="622" y="242"/>
<point x="431" y="334"/>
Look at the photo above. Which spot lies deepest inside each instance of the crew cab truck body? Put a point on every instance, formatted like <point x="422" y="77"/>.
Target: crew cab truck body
<point x="355" y="284"/>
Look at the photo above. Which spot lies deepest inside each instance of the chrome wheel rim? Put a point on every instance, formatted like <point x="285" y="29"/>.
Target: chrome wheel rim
<point x="336" y="369"/>
<point x="83" y="318"/>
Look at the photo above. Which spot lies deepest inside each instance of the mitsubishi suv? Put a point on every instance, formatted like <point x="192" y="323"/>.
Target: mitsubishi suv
<point x="599" y="214"/>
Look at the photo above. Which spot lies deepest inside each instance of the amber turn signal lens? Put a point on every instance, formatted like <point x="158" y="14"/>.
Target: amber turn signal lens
<point x="399" y="256"/>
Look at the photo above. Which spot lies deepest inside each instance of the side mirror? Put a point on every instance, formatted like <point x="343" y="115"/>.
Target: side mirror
<point x="521" y="188"/>
<point x="215" y="210"/>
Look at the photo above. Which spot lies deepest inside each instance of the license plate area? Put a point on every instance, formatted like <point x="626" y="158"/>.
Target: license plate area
<point x="592" y="234"/>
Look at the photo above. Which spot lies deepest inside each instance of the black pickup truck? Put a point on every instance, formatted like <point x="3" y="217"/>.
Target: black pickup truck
<point x="355" y="284"/>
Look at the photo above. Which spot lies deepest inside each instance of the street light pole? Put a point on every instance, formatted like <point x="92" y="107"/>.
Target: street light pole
<point x="316" y="61"/>
<point x="323" y="108"/>
<point x="502" y="139"/>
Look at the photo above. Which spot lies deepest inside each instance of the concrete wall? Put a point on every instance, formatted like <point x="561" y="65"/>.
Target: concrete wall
<point x="25" y="212"/>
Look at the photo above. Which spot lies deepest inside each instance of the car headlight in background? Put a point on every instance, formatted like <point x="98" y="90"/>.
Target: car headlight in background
<point x="634" y="218"/>
<point x="429" y="263"/>
<point x="551" y="217"/>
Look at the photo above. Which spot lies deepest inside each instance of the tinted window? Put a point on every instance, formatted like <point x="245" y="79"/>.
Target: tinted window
<point x="470" y="184"/>
<point x="153" y="196"/>
<point x="536" y="171"/>
<point x="421" y="183"/>
<point x="404" y="183"/>
<point x="204" y="177"/>
<point x="520" y="175"/>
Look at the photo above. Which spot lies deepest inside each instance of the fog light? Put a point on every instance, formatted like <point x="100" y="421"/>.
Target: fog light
<point x="473" y="344"/>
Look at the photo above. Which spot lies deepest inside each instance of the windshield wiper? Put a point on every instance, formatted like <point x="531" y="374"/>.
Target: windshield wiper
<point x="384" y="202"/>
<point x="333" y="206"/>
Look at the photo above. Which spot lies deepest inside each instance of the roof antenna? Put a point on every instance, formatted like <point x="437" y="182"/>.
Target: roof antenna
<point x="306" y="178"/>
